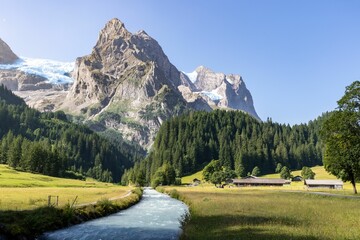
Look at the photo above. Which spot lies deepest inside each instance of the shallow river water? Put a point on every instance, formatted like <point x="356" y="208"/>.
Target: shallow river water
<point x="156" y="216"/>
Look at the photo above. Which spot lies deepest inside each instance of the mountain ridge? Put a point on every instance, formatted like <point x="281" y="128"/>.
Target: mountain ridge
<point x="127" y="83"/>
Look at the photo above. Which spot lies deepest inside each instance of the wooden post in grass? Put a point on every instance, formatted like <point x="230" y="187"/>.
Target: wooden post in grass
<point x="49" y="201"/>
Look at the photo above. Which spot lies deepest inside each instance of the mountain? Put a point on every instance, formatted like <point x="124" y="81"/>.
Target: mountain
<point x="129" y="84"/>
<point x="6" y="54"/>
<point x="126" y="83"/>
<point x="221" y="91"/>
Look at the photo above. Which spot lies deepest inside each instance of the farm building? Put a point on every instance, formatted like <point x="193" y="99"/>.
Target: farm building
<point x="332" y="184"/>
<point x="250" y="176"/>
<point x="259" y="182"/>
<point x="297" y="178"/>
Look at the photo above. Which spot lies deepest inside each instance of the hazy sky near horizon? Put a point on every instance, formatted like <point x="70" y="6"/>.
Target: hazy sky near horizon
<point x="296" y="57"/>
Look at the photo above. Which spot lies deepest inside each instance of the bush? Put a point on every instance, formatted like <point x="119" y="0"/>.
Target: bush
<point x="177" y="181"/>
<point x="174" y="194"/>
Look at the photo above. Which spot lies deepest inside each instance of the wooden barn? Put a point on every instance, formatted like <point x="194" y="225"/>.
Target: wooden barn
<point x="248" y="182"/>
<point x="331" y="184"/>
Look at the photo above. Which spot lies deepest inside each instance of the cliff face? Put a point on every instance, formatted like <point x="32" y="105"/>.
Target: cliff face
<point x="129" y="84"/>
<point x="6" y="54"/>
<point x="221" y="90"/>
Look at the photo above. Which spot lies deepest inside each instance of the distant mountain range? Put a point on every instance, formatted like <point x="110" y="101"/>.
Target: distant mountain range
<point x="127" y="83"/>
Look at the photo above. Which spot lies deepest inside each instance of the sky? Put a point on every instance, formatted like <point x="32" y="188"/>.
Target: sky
<point x="296" y="57"/>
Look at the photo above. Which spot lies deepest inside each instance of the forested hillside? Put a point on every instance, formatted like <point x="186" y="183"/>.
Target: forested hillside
<point x="48" y="143"/>
<point x="187" y="143"/>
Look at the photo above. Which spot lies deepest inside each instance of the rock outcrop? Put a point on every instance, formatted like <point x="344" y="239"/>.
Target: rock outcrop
<point x="6" y="54"/>
<point x="20" y="81"/>
<point x="220" y="90"/>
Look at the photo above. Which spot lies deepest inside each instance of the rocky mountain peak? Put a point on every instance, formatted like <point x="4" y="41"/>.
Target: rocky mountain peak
<point x="7" y="56"/>
<point x="112" y="30"/>
<point x="221" y="90"/>
<point x="128" y="83"/>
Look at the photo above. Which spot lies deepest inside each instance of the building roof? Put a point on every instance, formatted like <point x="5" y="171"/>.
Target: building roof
<point x="323" y="182"/>
<point x="259" y="181"/>
<point x="250" y="176"/>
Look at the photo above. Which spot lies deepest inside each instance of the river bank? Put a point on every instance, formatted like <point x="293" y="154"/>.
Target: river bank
<point x="29" y="224"/>
<point x="156" y="216"/>
<point x="266" y="213"/>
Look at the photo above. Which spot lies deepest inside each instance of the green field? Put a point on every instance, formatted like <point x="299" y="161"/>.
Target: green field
<point x="287" y="212"/>
<point x="244" y="213"/>
<point x="22" y="190"/>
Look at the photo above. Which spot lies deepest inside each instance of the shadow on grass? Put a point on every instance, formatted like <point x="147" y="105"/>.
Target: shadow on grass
<point x="242" y="227"/>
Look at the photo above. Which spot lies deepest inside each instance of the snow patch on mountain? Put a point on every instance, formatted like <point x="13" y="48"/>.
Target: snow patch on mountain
<point x="55" y="71"/>
<point x="192" y="76"/>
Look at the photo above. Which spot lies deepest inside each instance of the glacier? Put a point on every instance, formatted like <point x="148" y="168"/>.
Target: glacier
<point x="213" y="95"/>
<point x="56" y="72"/>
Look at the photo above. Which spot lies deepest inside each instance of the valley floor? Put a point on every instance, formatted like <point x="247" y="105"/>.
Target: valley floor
<point x="250" y="213"/>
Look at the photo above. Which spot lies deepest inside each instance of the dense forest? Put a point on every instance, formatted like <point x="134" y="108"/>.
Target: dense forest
<point x="187" y="143"/>
<point x="48" y="143"/>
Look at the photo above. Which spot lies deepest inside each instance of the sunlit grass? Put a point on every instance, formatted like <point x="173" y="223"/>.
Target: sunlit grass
<point x="12" y="178"/>
<point x="189" y="179"/>
<point x="258" y="213"/>
<point x="22" y="190"/>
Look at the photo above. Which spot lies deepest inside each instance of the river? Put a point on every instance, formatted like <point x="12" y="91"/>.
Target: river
<point x="156" y="216"/>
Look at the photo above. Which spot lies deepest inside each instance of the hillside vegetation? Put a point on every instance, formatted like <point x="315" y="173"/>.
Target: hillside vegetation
<point x="187" y="143"/>
<point x="48" y="143"/>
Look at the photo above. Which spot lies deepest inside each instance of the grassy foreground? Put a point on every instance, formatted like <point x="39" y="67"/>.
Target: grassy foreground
<point x="267" y="214"/>
<point x="24" y="191"/>
<point x="24" y="213"/>
<point x="29" y="224"/>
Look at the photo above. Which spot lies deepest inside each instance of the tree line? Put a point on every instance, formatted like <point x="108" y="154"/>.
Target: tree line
<point x="48" y="143"/>
<point x="189" y="142"/>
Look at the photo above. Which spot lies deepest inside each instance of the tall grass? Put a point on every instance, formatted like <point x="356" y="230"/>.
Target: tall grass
<point x="268" y="214"/>
<point x="29" y="224"/>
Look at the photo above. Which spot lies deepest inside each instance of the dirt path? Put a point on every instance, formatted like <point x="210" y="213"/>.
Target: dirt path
<point x="111" y="199"/>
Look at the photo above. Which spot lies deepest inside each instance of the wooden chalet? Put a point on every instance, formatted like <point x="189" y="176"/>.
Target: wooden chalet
<point x="331" y="184"/>
<point x="248" y="182"/>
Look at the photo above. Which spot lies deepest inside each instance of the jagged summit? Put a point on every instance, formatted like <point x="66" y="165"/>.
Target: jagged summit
<point x="7" y="56"/>
<point x="114" y="29"/>
<point x="129" y="83"/>
<point x="222" y="90"/>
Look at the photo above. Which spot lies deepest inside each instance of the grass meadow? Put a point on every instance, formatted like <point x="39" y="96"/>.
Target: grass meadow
<point x="242" y="213"/>
<point x="287" y="212"/>
<point x="23" y="191"/>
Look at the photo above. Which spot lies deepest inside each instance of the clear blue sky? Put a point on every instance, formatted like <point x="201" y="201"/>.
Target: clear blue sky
<point x="296" y="57"/>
